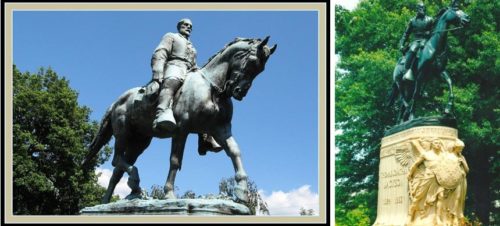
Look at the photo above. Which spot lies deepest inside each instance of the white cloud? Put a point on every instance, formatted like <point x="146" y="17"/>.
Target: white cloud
<point x="121" y="188"/>
<point x="289" y="203"/>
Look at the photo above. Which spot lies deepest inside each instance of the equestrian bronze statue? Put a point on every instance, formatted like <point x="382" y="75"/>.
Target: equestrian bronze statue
<point x="202" y="105"/>
<point x="412" y="73"/>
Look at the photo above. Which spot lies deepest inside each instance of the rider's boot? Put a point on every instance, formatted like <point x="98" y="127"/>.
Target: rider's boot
<point x="214" y="146"/>
<point x="165" y="120"/>
<point x="207" y="143"/>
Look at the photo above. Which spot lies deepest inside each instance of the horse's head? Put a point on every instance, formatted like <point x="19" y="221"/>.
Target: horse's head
<point x="246" y="63"/>
<point x="456" y="16"/>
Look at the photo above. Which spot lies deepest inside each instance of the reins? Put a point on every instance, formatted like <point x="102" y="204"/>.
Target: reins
<point x="219" y="90"/>
<point x="451" y="29"/>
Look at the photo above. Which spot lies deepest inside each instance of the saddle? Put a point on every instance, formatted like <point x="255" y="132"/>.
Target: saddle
<point x="147" y="98"/>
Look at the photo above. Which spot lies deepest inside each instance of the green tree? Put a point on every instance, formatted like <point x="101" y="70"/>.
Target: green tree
<point x="157" y="192"/>
<point x="189" y="194"/>
<point x="366" y="41"/>
<point x="302" y="211"/>
<point x="358" y="216"/>
<point x="50" y="135"/>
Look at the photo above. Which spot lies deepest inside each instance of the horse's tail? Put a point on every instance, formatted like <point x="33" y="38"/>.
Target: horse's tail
<point x="392" y="95"/>
<point x="103" y="136"/>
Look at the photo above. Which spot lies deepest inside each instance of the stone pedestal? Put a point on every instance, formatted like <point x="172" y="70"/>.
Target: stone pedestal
<point x="205" y="207"/>
<point x="397" y="155"/>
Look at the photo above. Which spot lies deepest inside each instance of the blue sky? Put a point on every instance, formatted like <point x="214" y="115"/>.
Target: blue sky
<point x="104" y="53"/>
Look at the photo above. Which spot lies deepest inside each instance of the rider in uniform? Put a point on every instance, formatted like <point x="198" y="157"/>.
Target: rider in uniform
<point x="171" y="60"/>
<point x="420" y="26"/>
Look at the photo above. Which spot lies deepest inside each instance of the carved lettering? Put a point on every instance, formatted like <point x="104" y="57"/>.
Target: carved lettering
<point x="394" y="183"/>
<point x="399" y="200"/>
<point x="394" y="173"/>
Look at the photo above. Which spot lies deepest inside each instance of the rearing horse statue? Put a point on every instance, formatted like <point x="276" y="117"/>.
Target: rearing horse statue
<point x="202" y="105"/>
<point x="432" y="60"/>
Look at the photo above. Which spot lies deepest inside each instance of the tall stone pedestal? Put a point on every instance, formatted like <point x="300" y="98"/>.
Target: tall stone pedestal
<point x="397" y="155"/>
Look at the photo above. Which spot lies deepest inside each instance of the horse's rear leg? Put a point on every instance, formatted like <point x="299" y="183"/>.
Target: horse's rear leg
<point x="115" y="178"/>
<point x="135" y="147"/>
<point x="402" y="113"/>
<point x="126" y="153"/>
<point x="224" y="137"/>
<point x="176" y="154"/>
<point x="117" y="171"/>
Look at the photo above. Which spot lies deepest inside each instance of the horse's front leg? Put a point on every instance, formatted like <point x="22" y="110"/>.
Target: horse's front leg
<point x="415" y="96"/>
<point x="451" y="96"/>
<point x="224" y="137"/>
<point x="176" y="154"/>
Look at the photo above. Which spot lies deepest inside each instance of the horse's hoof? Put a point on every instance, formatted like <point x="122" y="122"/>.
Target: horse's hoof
<point x="133" y="196"/>
<point x="170" y="195"/>
<point x="105" y="200"/>
<point x="241" y="194"/>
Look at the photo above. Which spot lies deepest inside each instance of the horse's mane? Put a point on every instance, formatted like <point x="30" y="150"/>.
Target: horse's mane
<point x="441" y="12"/>
<point x="438" y="16"/>
<point x="229" y="44"/>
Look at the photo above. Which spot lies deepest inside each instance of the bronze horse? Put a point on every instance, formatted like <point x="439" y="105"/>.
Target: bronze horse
<point x="202" y="105"/>
<point x="431" y="61"/>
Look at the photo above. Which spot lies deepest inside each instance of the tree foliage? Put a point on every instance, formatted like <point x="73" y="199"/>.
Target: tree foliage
<point x="50" y="135"/>
<point x="366" y="41"/>
<point x="156" y="192"/>
<point x="226" y="191"/>
<point x="357" y="216"/>
<point x="189" y="194"/>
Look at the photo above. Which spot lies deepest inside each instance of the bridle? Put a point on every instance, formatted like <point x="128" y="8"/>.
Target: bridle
<point x="220" y="91"/>
<point x="451" y="29"/>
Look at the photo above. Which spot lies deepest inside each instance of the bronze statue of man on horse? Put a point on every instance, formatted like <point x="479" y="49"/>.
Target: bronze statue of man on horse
<point x="425" y="58"/>
<point x="181" y="99"/>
